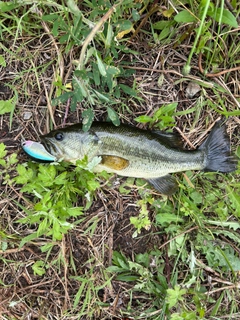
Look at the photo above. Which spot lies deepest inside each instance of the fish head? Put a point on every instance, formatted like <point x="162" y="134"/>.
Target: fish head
<point x="70" y="144"/>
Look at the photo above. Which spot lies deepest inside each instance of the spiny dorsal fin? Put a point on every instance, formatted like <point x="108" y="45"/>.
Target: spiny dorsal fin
<point x="173" y="140"/>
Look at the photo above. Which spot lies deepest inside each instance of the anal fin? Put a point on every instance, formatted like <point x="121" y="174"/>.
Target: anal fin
<point x="166" y="184"/>
<point x="171" y="139"/>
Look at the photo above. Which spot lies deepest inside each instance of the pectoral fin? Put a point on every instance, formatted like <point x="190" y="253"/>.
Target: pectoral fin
<point x="114" y="162"/>
<point x="166" y="184"/>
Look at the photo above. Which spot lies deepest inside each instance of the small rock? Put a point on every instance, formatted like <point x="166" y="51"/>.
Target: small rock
<point x="192" y="89"/>
<point x="27" y="115"/>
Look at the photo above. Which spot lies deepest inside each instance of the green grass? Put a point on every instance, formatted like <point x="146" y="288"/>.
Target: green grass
<point x="75" y="245"/>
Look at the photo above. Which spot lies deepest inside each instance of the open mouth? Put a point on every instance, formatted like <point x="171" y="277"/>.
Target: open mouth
<point x="48" y="146"/>
<point x="51" y="148"/>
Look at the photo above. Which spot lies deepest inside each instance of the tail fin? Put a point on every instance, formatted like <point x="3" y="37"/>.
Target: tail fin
<point x="217" y="149"/>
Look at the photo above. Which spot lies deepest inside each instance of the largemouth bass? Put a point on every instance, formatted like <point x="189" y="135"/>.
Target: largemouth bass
<point x="133" y="152"/>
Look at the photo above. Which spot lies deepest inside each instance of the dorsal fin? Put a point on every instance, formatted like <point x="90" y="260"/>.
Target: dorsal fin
<point x="172" y="139"/>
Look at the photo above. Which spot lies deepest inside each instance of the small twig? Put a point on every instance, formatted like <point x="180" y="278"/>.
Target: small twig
<point x="234" y="286"/>
<point x="153" y="9"/>
<point x="66" y="297"/>
<point x="201" y="264"/>
<point x="66" y="112"/>
<point x="188" y="181"/>
<point x="185" y="138"/>
<point x="59" y="54"/>
<point x="179" y="235"/>
<point x="212" y="75"/>
<point x="9" y="251"/>
<point x="153" y="70"/>
<point x="61" y="66"/>
<point x="91" y="36"/>
<point x="206" y="131"/>
<point x="49" y="105"/>
<point x="223" y="84"/>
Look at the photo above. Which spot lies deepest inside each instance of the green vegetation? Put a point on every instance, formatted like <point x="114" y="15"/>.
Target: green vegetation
<point x="76" y="245"/>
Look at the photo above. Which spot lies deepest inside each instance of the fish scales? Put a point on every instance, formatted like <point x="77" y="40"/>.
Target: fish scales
<point x="133" y="152"/>
<point x="147" y="155"/>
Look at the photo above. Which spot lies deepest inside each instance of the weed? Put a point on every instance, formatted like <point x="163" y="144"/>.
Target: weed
<point x="203" y="35"/>
<point x="53" y="190"/>
<point x="162" y="118"/>
<point x="95" y="78"/>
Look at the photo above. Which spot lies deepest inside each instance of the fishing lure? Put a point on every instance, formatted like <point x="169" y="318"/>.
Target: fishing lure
<point x="36" y="151"/>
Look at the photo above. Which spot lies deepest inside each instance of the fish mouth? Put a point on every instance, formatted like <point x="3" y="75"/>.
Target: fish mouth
<point x="51" y="148"/>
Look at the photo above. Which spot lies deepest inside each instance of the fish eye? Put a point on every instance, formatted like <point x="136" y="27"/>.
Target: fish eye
<point x="59" y="136"/>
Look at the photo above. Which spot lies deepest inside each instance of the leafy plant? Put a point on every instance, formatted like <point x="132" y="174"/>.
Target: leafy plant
<point x="95" y="78"/>
<point x="53" y="190"/>
<point x="142" y="220"/>
<point x="206" y="9"/>
<point x="138" y="271"/>
<point x="175" y="295"/>
<point x="6" y="163"/>
<point x="162" y="117"/>
<point x="39" y="268"/>
<point x="96" y="73"/>
<point x="146" y="274"/>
